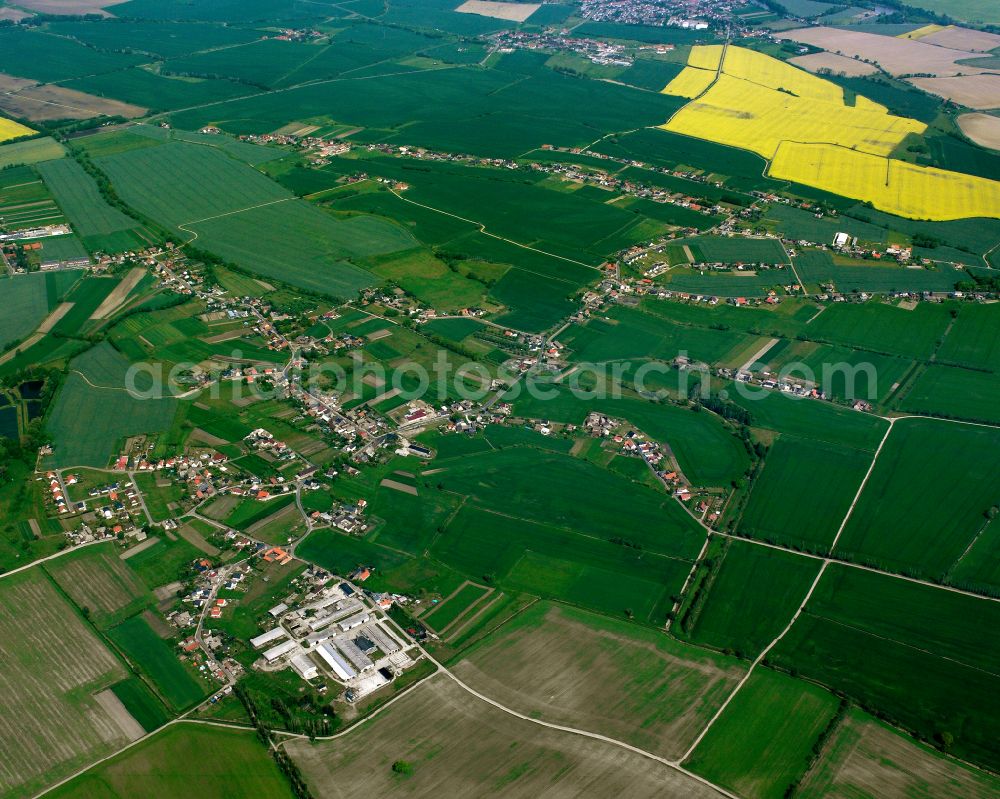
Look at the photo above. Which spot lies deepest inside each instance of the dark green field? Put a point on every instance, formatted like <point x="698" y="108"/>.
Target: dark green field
<point x="629" y="333"/>
<point x="925" y="500"/>
<point x="94" y="412"/>
<point x="923" y="657"/>
<point x="803" y="492"/>
<point x="749" y="599"/>
<point x="161" y="767"/>
<point x="156" y="659"/>
<point x="762" y="741"/>
<point x="954" y="392"/>
<point x="882" y="328"/>
<point x="248" y="219"/>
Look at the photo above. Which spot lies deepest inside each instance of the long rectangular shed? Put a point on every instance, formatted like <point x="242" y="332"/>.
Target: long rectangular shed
<point x="268" y="638"/>
<point x="382" y="639"/>
<point x="335" y="661"/>
<point x="276" y="652"/>
<point x="358" y="659"/>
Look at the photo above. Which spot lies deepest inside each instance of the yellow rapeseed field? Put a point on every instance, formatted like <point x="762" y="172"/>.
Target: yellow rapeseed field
<point x="705" y="56"/>
<point x="770" y="73"/>
<point x="9" y="129"/>
<point x="802" y="124"/>
<point x="920" y="33"/>
<point x="754" y="117"/>
<point x="690" y="83"/>
<point x="898" y="187"/>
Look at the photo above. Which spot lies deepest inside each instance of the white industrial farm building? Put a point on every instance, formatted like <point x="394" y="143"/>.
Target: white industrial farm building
<point x="333" y="632"/>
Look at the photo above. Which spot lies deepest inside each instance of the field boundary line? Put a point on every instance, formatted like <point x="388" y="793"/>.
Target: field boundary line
<point x="920" y="649"/>
<point x="852" y="565"/>
<point x="511" y="516"/>
<point x="93" y="385"/>
<point x="756" y="662"/>
<point x="59" y="554"/>
<point x="675" y="765"/>
<point x="485" y="232"/>
<point x="798" y="612"/>
<point x="861" y="488"/>
<point x="182" y="225"/>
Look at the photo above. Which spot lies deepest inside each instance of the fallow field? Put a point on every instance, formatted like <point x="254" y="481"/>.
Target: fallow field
<point x="574" y="668"/>
<point x="452" y="739"/>
<point x="50" y="721"/>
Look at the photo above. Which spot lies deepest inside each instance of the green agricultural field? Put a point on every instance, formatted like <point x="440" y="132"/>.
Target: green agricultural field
<point x="157" y="659"/>
<point x="809" y="419"/>
<point x="141" y="703"/>
<point x="735" y="250"/>
<point x="77" y="195"/>
<point x="28" y="300"/>
<point x="164" y="562"/>
<point x="178" y="182"/>
<point x="156" y="37"/>
<point x="840" y="372"/>
<point x="454" y="606"/>
<point x="507" y="110"/>
<point x="925" y="500"/>
<point x="785" y="320"/>
<point x="952" y="392"/>
<point x="883" y="328"/>
<point x="144" y="88"/>
<point x="749" y="596"/>
<point x="301" y="245"/>
<point x="513" y="206"/>
<point x="803" y="492"/>
<point x="978" y="569"/>
<point x="818" y="268"/>
<point x="161" y="768"/>
<point x="54" y="667"/>
<point x="671" y="150"/>
<point x="411" y="522"/>
<point x="32" y="151"/>
<point x="248" y="512"/>
<point x="922" y="656"/>
<point x="727" y="284"/>
<point x="537" y="302"/>
<point x="20" y="47"/>
<point x="628" y="333"/>
<point x="570" y="667"/>
<point x="431" y="281"/>
<point x="48" y="351"/>
<point x="273" y="63"/>
<point x="574" y="495"/>
<point x="86" y="296"/>
<point x="547" y="561"/>
<point x="970" y="341"/>
<point x="94" y="412"/>
<point x="159" y="498"/>
<point x="26" y="203"/>
<point x="763" y="741"/>
<point x="244" y="217"/>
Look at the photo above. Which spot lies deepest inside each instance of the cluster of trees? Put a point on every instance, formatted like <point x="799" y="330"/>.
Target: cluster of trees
<point x="107" y="191"/>
<point x="819" y="744"/>
<point x="727" y="410"/>
<point x="266" y="737"/>
<point x="707" y="570"/>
